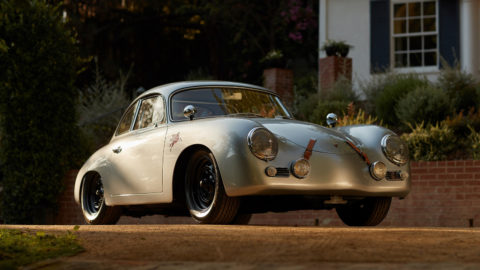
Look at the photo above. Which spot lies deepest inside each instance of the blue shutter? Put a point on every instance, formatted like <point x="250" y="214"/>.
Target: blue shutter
<point x="379" y="35"/>
<point x="449" y="30"/>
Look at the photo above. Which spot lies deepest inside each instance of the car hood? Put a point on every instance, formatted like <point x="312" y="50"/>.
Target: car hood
<point x="300" y="133"/>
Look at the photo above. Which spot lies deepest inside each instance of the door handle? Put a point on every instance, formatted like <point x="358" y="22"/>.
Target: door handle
<point x="117" y="150"/>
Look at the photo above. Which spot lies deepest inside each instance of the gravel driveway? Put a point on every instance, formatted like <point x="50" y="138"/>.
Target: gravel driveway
<point x="264" y="247"/>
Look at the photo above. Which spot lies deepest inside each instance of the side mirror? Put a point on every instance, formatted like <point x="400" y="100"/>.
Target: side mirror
<point x="332" y="119"/>
<point x="189" y="111"/>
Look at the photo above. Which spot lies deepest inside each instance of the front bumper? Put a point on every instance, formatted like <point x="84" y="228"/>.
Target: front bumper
<point x="331" y="175"/>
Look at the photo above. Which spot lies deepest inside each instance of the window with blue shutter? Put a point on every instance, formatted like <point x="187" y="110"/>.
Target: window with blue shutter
<point x="413" y="34"/>
<point x="449" y="27"/>
<point x="379" y="35"/>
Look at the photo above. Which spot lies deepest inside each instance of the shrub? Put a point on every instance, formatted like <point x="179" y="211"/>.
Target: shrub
<point x="342" y="90"/>
<point x="374" y="87"/>
<point x="305" y="92"/>
<point x="357" y="117"/>
<point x="100" y="108"/>
<point x="431" y="142"/>
<point x="474" y="143"/>
<point x="463" y="123"/>
<point x="424" y="104"/>
<point x="40" y="140"/>
<point x="314" y="109"/>
<point x="323" y="108"/>
<point x="460" y="88"/>
<point x="397" y="88"/>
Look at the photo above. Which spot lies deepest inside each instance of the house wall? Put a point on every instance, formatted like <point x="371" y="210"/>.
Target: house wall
<point x="349" y="20"/>
<point x="444" y="193"/>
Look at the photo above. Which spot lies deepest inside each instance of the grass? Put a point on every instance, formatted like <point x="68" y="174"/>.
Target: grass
<point x="19" y="248"/>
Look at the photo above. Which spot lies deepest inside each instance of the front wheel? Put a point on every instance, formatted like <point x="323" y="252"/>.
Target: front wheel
<point x="367" y="212"/>
<point x="205" y="196"/>
<point x="94" y="209"/>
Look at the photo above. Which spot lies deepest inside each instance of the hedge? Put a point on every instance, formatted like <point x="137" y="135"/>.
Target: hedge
<point x="40" y="140"/>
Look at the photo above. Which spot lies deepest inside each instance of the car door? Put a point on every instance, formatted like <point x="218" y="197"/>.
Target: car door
<point x="137" y="156"/>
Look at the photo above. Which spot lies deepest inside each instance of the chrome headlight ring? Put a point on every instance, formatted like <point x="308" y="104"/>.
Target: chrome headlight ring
<point x="262" y="143"/>
<point x="395" y="149"/>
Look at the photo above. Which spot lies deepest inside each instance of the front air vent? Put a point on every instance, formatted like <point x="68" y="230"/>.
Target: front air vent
<point x="394" y="176"/>
<point x="283" y="172"/>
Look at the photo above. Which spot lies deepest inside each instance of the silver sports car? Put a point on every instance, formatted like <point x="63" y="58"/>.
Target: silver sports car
<point x="220" y="151"/>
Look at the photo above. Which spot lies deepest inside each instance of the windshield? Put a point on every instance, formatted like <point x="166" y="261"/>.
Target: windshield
<point x="228" y="101"/>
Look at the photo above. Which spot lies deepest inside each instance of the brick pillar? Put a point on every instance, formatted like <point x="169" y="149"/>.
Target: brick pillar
<point x="280" y="81"/>
<point x="331" y="69"/>
<point x="68" y="211"/>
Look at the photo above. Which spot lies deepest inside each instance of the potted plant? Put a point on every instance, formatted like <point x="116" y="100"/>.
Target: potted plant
<point x="273" y="59"/>
<point x="336" y="48"/>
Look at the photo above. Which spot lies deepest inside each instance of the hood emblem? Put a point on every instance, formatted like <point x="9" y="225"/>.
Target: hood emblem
<point x="308" y="152"/>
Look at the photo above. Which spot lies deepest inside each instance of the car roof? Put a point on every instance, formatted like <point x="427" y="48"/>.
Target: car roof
<point x="167" y="89"/>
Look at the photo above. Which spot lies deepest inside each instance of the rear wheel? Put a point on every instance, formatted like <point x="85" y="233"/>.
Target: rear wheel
<point x="367" y="212"/>
<point x="205" y="196"/>
<point x="94" y="209"/>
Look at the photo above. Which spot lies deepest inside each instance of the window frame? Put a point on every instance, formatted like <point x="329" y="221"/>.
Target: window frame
<point x="137" y="104"/>
<point x="134" y="104"/>
<point x="140" y="102"/>
<point x="417" y="69"/>
<point x="172" y="95"/>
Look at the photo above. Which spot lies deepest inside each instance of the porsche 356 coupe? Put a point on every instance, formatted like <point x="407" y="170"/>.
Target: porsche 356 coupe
<point x="220" y="151"/>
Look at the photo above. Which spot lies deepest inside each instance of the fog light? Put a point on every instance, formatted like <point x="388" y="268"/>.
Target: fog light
<point x="404" y="175"/>
<point x="301" y="168"/>
<point x="378" y="170"/>
<point x="271" y="171"/>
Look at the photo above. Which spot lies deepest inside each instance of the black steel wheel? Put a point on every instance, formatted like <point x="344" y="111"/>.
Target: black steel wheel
<point x="94" y="209"/>
<point x="205" y="195"/>
<point x="367" y="212"/>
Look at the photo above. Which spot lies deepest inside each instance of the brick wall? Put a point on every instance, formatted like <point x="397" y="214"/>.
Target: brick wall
<point x="68" y="211"/>
<point x="331" y="69"/>
<point x="280" y="81"/>
<point x="444" y="193"/>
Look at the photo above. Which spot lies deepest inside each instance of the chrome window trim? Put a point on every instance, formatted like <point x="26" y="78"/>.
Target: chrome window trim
<point x="170" y="98"/>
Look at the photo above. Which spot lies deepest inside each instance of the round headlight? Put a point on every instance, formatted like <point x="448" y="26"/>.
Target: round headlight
<point x="395" y="149"/>
<point x="301" y="168"/>
<point x="378" y="170"/>
<point x="262" y="143"/>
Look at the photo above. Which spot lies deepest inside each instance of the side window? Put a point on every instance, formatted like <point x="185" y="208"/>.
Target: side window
<point x="126" y="121"/>
<point x="151" y="112"/>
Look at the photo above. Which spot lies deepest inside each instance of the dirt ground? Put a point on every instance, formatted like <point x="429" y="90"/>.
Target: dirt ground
<point x="265" y="247"/>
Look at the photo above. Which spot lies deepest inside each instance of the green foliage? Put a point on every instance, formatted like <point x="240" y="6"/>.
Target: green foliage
<point x="463" y="123"/>
<point x="373" y="87"/>
<point x="426" y="104"/>
<point x="354" y="117"/>
<point x="460" y="88"/>
<point x="273" y="59"/>
<point x="474" y="143"/>
<point x="336" y="48"/>
<point x="323" y="108"/>
<point x="305" y="88"/>
<point x="394" y="90"/>
<point x="431" y="142"/>
<point x="227" y="37"/>
<point x="19" y="248"/>
<point x="40" y="140"/>
<point x="312" y="108"/>
<point x="100" y="107"/>
<point x="198" y="74"/>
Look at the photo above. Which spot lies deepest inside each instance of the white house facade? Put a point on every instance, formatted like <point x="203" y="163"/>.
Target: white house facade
<point x="404" y="35"/>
